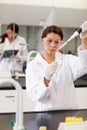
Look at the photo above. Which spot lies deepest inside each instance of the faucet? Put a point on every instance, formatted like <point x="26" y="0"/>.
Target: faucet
<point x="19" y="107"/>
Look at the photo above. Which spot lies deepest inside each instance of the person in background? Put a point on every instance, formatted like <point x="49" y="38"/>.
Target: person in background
<point x="50" y="75"/>
<point x="12" y="41"/>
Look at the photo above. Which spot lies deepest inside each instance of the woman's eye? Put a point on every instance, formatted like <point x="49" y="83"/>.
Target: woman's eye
<point x="49" y="40"/>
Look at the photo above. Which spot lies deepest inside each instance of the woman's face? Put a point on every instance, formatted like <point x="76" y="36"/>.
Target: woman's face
<point x="10" y="34"/>
<point x="51" y="43"/>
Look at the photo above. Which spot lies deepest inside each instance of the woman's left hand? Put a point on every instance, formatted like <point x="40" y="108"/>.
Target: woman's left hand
<point x="83" y="35"/>
<point x="15" y="57"/>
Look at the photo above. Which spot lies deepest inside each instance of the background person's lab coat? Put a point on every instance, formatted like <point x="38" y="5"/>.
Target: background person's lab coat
<point x="11" y="63"/>
<point x="61" y="92"/>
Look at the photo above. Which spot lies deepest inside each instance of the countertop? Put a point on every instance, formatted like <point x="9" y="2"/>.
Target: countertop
<point x="50" y="119"/>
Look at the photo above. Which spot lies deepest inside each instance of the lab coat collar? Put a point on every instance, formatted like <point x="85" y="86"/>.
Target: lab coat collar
<point x="40" y="60"/>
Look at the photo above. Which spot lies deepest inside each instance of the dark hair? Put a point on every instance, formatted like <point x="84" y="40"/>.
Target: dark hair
<point x="52" y="29"/>
<point x="2" y="37"/>
<point x="14" y="27"/>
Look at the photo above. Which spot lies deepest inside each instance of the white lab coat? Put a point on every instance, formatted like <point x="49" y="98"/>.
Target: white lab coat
<point x="12" y="64"/>
<point x="61" y="92"/>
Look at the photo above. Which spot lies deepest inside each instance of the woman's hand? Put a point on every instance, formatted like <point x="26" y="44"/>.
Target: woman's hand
<point x="83" y="35"/>
<point x="49" y="71"/>
<point x="15" y="57"/>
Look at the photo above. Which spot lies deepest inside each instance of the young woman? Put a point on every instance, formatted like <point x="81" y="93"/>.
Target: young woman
<point x="12" y="41"/>
<point x="50" y="76"/>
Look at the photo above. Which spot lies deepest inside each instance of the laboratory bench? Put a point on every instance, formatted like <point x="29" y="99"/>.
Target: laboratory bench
<point x="20" y="80"/>
<point x="8" y="100"/>
<point x="8" y="97"/>
<point x="50" y="119"/>
<point x="80" y="82"/>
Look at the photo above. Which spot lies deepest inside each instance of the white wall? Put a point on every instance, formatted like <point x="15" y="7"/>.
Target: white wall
<point x="32" y="35"/>
<point x="80" y="4"/>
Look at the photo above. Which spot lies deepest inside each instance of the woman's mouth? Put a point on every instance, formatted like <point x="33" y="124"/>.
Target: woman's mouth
<point x="52" y="50"/>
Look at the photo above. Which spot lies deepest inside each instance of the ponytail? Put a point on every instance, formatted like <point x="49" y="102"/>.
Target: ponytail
<point x="2" y="37"/>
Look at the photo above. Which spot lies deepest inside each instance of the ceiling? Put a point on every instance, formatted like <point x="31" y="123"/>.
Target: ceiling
<point x="32" y="15"/>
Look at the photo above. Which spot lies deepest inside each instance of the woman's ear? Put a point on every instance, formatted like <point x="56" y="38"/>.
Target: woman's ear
<point x="41" y="40"/>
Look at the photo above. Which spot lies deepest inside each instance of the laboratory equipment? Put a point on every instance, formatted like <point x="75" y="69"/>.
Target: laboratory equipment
<point x="31" y="56"/>
<point x="75" y="34"/>
<point x="82" y="31"/>
<point x="42" y="128"/>
<point x="73" y="126"/>
<point x="18" y="124"/>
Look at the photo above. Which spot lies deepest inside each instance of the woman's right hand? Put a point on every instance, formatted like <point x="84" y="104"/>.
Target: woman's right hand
<point x="50" y="70"/>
